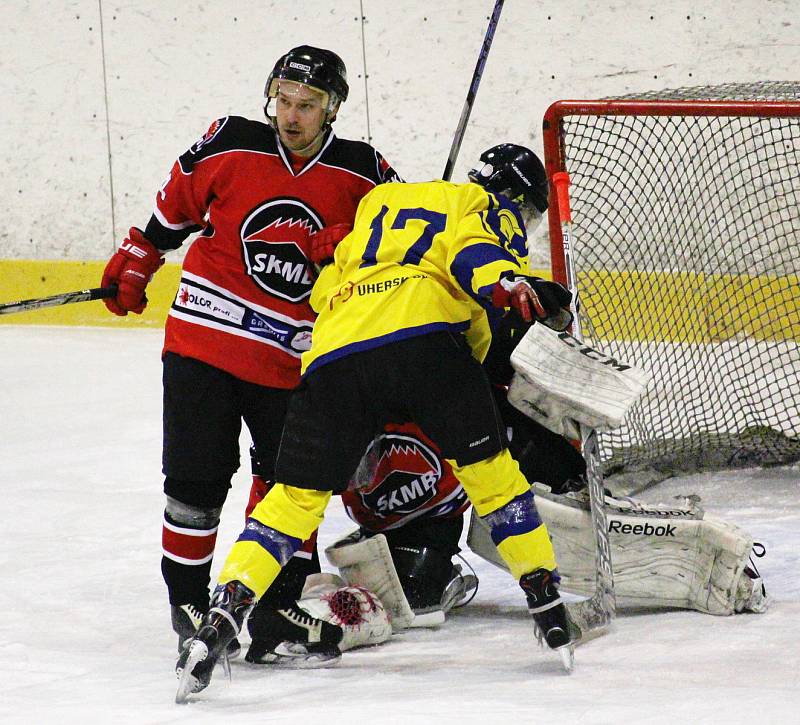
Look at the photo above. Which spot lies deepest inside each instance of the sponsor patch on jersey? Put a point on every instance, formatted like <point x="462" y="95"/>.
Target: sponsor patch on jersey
<point x="197" y="303"/>
<point x="269" y="328"/>
<point x="386" y="285"/>
<point x="301" y="341"/>
<point x="200" y="300"/>
<point x="406" y="476"/>
<point x="274" y="237"/>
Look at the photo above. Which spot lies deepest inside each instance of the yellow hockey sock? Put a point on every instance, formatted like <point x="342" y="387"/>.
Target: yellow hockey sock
<point x="527" y="552"/>
<point x="296" y="512"/>
<point x="491" y="483"/>
<point x="521" y="539"/>
<point x="277" y="527"/>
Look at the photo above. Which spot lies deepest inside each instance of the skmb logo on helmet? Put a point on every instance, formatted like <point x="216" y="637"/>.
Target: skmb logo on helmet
<point x="273" y="238"/>
<point x="406" y="476"/>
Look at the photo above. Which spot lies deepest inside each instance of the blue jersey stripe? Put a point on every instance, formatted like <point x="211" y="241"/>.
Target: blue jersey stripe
<point x="373" y="342"/>
<point x="473" y="257"/>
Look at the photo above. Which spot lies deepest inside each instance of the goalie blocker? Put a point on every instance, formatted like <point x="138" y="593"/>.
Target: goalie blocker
<point x="559" y="380"/>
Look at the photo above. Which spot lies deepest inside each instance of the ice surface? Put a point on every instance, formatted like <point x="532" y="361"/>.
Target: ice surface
<point x="84" y="624"/>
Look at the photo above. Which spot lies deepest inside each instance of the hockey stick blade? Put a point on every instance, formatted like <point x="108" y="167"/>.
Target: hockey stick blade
<point x="67" y="298"/>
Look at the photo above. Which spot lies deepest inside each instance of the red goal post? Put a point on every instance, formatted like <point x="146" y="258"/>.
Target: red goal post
<point x="686" y="223"/>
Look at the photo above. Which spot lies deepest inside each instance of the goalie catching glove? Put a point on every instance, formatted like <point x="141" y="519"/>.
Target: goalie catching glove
<point x="329" y="618"/>
<point x="534" y="299"/>
<point x="131" y="269"/>
<point x="325" y="241"/>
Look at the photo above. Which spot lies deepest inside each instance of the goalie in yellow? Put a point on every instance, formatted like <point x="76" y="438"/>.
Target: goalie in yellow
<point x="405" y="309"/>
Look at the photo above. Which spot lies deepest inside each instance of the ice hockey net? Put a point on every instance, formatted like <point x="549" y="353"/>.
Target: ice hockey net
<point x="686" y="224"/>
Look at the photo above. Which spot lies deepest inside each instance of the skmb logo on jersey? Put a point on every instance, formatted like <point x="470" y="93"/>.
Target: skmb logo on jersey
<point x="273" y="238"/>
<point x="406" y="476"/>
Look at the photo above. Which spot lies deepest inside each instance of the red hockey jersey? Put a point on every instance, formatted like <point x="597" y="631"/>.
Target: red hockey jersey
<point x="407" y="479"/>
<point x="242" y="303"/>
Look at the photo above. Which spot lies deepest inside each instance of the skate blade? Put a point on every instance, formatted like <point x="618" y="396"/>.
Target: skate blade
<point x="296" y="656"/>
<point x="188" y="684"/>
<point x="567" y="654"/>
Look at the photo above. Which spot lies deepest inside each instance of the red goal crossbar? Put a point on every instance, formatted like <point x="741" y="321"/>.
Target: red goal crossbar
<point x="553" y="137"/>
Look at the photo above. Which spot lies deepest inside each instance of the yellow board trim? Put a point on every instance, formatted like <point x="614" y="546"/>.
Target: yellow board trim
<point x="716" y="307"/>
<point x="32" y="279"/>
<point x="712" y="307"/>
<point x="25" y="279"/>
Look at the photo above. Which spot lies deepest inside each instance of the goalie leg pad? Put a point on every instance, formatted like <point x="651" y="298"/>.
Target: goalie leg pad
<point x="417" y="584"/>
<point x="367" y="563"/>
<point x="751" y="595"/>
<point x="663" y="556"/>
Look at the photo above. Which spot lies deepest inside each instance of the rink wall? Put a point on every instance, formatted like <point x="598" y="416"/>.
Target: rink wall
<point x="100" y="97"/>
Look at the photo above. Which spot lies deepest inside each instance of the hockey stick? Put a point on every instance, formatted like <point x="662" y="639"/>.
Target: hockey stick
<point x="67" y="298"/>
<point x="597" y="611"/>
<point x="473" y="90"/>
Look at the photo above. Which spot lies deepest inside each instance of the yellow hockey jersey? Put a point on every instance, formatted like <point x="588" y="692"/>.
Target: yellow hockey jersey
<point x="421" y="258"/>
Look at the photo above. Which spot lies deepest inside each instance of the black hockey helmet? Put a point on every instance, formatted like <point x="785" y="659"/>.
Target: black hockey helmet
<point x="315" y="67"/>
<point x="517" y="173"/>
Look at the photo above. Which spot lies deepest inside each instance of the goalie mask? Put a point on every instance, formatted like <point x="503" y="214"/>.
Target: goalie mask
<point x="518" y="174"/>
<point x="317" y="68"/>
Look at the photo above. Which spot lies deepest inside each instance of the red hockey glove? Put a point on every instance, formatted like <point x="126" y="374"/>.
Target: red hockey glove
<point x="325" y="241"/>
<point x="131" y="268"/>
<point x="534" y="299"/>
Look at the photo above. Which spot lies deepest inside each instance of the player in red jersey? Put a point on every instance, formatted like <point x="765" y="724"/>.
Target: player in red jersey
<point x="257" y="193"/>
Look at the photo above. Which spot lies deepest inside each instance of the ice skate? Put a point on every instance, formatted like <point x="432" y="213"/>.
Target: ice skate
<point x="291" y="637"/>
<point x="229" y="607"/>
<point x="550" y="616"/>
<point x="186" y="621"/>
<point x="459" y="590"/>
